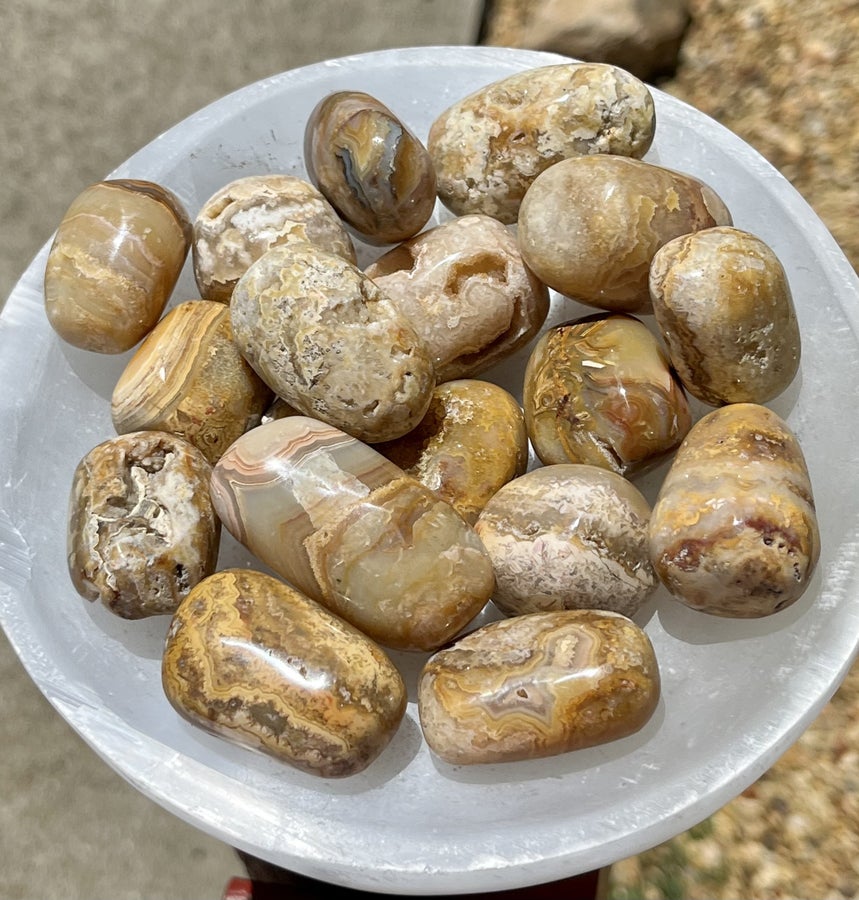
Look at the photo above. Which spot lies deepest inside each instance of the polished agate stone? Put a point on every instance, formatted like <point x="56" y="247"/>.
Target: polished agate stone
<point x="466" y="291"/>
<point x="538" y="685"/>
<point x="488" y="147"/>
<point x="374" y="171"/>
<point x="589" y="227"/>
<point x="330" y="343"/>
<point x="188" y="378"/>
<point x="601" y="391"/>
<point x="568" y="536"/>
<point x="250" y="215"/>
<point x="351" y="530"/>
<point x="723" y="304"/>
<point x="142" y="530"/>
<point x="113" y="264"/>
<point x="734" y="530"/>
<point x="254" y="661"/>
<point x="471" y="442"/>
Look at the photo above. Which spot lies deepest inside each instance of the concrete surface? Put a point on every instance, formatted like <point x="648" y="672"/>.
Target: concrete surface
<point x="84" y="84"/>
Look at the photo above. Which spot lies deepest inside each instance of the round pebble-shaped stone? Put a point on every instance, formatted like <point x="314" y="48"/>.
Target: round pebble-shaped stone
<point x="142" y="530"/>
<point x="734" y="529"/>
<point x="471" y="442"/>
<point x="466" y="291"/>
<point x="329" y="342"/>
<point x="250" y="215"/>
<point x="590" y="226"/>
<point x="489" y="146"/>
<point x="600" y="390"/>
<point x="568" y="536"/>
<point x="254" y="661"/>
<point x="723" y="304"/>
<point x="370" y="166"/>
<point x="536" y="686"/>
<point x="114" y="262"/>
<point x="351" y="530"/>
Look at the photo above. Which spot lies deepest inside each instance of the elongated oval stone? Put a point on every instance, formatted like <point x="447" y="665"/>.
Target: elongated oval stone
<point x="252" y="660"/>
<point x="114" y="262"/>
<point x="734" y="529"/>
<point x="538" y="685"/>
<point x="188" y="378"/>
<point x="351" y="530"/>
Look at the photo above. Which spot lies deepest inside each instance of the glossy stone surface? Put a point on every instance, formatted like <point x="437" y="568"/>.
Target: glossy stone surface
<point x="488" y="147"/>
<point x="188" y="378"/>
<point x="331" y="344"/>
<point x="538" y="685"/>
<point x="142" y="530"/>
<point x="250" y="215"/>
<point x="724" y="307"/>
<point x="465" y="290"/>
<point x="568" y="537"/>
<point x="734" y="530"/>
<point x="589" y="227"/>
<point x="374" y="171"/>
<point x="350" y="529"/>
<point x="113" y="264"/>
<point x="600" y="390"/>
<point x="471" y="442"/>
<point x="254" y="661"/>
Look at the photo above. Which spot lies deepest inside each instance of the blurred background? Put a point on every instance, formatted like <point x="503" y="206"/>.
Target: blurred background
<point x="86" y="84"/>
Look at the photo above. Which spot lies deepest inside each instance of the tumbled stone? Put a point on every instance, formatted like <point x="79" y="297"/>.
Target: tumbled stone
<point x="723" y="304"/>
<point x="488" y="147"/>
<point x="351" y="530"/>
<point x="734" y="530"/>
<point x="142" y="530"/>
<point x="250" y="215"/>
<point x="326" y="340"/>
<point x="252" y="660"/>
<point x="538" y="685"/>
<point x="188" y="378"/>
<point x="373" y="170"/>
<point x="467" y="293"/>
<point x="114" y="262"/>
<point x="589" y="227"/>
<point x="600" y="390"/>
<point x="470" y="443"/>
<point x="568" y="536"/>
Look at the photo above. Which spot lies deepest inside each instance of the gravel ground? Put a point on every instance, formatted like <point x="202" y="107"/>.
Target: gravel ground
<point x="784" y="76"/>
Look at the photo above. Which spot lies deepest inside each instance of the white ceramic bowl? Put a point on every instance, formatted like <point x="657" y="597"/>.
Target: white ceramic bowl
<point x="736" y="694"/>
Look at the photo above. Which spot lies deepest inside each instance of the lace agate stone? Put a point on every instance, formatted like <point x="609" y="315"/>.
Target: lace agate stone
<point x="351" y="530"/>
<point x="488" y="147"/>
<point x="373" y="170"/>
<point x="538" y="685"/>
<point x="590" y="226"/>
<point x="254" y="661"/>
<point x="114" y="262"/>
<point x="466" y="291"/>
<point x="734" y="530"/>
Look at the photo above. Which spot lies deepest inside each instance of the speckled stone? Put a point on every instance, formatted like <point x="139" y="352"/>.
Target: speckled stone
<point x="590" y="226"/>
<point x="350" y="529"/>
<point x="734" y="530"/>
<point x="601" y="391"/>
<point x="466" y="291"/>
<point x="329" y="342"/>
<point x="256" y="662"/>
<point x="538" y="685"/>
<point x="188" y="378"/>
<point x="471" y="442"/>
<point x="724" y="307"/>
<point x="142" y="530"/>
<point x="488" y="147"/>
<point x="568" y="537"/>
